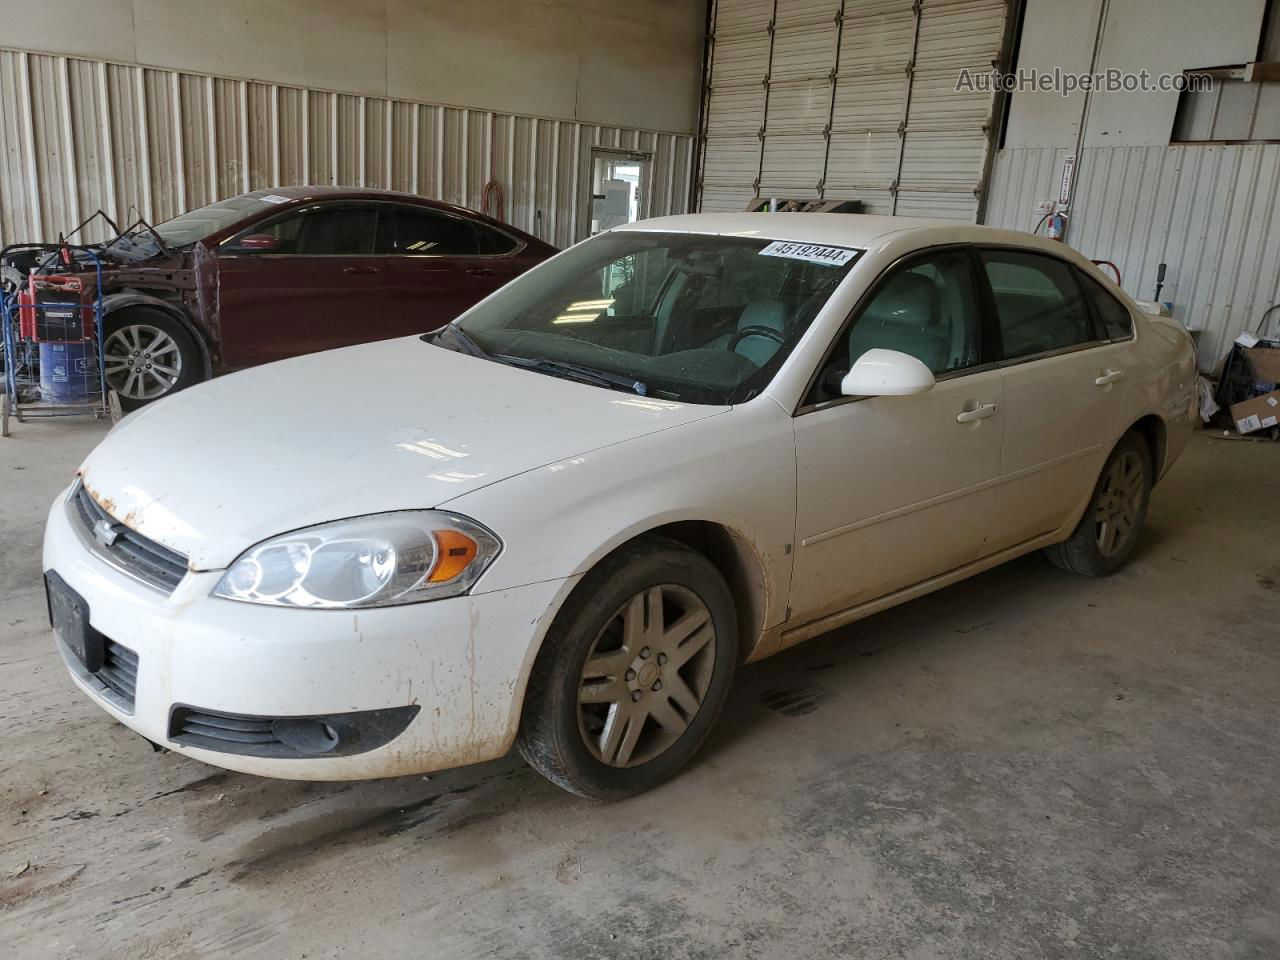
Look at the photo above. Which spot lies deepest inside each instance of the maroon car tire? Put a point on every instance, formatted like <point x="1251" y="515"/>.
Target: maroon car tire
<point x="148" y="354"/>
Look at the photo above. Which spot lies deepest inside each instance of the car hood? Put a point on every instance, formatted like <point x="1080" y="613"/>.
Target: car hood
<point x="396" y="425"/>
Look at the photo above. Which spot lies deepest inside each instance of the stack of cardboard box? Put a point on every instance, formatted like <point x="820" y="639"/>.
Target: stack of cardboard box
<point x="1262" y="410"/>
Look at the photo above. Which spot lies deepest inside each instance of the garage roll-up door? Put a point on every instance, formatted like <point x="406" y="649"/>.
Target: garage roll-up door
<point x="850" y="99"/>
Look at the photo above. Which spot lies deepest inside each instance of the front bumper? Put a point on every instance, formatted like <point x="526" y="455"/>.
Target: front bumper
<point x="463" y="662"/>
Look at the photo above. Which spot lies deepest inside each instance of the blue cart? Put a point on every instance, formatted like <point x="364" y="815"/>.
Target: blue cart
<point x="52" y="325"/>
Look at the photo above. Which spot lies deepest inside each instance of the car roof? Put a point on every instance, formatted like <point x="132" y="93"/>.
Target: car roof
<point x="300" y="193"/>
<point x="841" y="229"/>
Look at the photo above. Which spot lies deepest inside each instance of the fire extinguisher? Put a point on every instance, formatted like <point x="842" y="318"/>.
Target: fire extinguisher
<point x="1057" y="226"/>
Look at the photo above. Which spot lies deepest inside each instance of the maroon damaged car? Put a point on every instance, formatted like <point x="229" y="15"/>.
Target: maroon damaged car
<point x="277" y="273"/>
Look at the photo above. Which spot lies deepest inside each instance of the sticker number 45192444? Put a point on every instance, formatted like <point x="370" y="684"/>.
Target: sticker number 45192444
<point x="812" y="252"/>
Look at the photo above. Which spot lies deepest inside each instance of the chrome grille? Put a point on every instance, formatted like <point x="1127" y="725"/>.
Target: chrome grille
<point x="139" y="556"/>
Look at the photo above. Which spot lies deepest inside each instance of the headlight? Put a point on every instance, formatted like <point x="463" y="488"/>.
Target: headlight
<point x="374" y="561"/>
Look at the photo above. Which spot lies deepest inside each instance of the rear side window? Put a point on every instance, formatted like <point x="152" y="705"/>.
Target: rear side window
<point x="417" y="231"/>
<point x="494" y="243"/>
<point x="1113" y="315"/>
<point x="1039" y="304"/>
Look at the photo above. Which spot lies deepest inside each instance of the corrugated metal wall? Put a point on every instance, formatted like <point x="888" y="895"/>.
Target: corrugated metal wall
<point x="850" y="99"/>
<point x="1212" y="213"/>
<point x="78" y="135"/>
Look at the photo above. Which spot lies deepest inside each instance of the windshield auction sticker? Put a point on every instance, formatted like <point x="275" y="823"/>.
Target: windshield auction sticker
<point x="810" y="252"/>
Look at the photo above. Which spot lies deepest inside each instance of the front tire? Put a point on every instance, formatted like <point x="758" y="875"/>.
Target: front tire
<point x="1117" y="511"/>
<point x="148" y="355"/>
<point x="632" y="674"/>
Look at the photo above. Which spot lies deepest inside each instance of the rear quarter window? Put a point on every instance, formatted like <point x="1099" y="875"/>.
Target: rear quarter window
<point x="1113" y="315"/>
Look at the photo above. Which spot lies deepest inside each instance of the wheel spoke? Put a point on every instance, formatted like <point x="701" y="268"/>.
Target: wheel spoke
<point x="682" y="696"/>
<point x="621" y="732"/>
<point x="683" y="629"/>
<point x="1110" y="546"/>
<point x="629" y="739"/>
<point x="128" y="390"/>
<point x="162" y="382"/>
<point x="668" y="716"/>
<point x="633" y="626"/>
<point x="171" y="372"/>
<point x="602" y="691"/>
<point x="606" y="665"/>
<point x="160" y="343"/>
<point x="691" y="647"/>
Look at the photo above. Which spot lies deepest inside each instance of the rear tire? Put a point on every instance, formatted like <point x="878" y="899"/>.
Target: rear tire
<point x="1117" y="511"/>
<point x="633" y="673"/>
<point x="149" y="355"/>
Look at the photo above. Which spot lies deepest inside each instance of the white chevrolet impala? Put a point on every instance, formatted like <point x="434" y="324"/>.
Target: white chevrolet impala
<point x="563" y="520"/>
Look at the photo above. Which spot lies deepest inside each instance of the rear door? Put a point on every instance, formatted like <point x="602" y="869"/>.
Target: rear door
<point x="1063" y="388"/>
<point x="439" y="265"/>
<point x="299" y="282"/>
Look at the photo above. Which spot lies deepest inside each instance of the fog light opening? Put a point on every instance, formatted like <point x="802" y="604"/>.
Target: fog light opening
<point x="307" y="735"/>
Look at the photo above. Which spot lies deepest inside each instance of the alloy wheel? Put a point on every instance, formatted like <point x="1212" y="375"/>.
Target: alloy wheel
<point x="142" y="362"/>
<point x="646" y="675"/>
<point x="1119" y="503"/>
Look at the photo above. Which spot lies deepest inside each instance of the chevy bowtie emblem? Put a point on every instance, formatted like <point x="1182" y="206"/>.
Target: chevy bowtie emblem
<point x="105" y="533"/>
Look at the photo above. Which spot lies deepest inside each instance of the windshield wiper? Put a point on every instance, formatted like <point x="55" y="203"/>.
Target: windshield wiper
<point x="574" y="371"/>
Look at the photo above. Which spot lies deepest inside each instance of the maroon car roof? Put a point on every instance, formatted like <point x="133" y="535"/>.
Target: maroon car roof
<point x="300" y="193"/>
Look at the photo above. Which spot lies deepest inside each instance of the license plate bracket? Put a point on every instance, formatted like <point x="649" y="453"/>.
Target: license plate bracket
<point x="69" y="617"/>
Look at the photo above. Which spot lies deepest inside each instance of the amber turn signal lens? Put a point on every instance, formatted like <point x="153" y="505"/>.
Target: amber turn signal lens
<point x="456" y="550"/>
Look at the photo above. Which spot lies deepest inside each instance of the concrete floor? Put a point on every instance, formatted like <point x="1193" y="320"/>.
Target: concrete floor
<point x="1024" y="765"/>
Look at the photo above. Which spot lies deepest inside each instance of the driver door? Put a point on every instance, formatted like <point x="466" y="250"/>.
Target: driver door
<point x="895" y="490"/>
<point x="318" y="286"/>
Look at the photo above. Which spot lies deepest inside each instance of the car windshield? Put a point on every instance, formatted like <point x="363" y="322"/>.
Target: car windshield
<point x="688" y="317"/>
<point x="193" y="225"/>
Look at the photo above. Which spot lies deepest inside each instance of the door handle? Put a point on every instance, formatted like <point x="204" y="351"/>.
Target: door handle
<point x="361" y="270"/>
<point x="1111" y="376"/>
<point x="480" y="271"/>
<point x="980" y="412"/>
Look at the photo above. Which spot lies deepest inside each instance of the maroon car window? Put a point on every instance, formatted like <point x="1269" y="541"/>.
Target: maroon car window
<point x="418" y="231"/>
<point x="494" y="242"/>
<point x="325" y="229"/>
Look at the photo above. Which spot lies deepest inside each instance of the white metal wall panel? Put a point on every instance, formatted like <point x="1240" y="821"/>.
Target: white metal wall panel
<point x="1210" y="212"/>
<point x="859" y="102"/>
<point x="78" y="135"/>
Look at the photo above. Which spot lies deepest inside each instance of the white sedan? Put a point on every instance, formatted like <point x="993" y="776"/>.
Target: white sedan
<point x="563" y="520"/>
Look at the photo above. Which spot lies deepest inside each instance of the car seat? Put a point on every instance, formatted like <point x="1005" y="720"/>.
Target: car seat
<point x="905" y="316"/>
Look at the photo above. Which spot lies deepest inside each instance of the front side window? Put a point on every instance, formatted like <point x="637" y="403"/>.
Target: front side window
<point x="925" y="308"/>
<point x="1038" y="302"/>
<point x="701" y="319"/>
<point x="1111" y="313"/>
<point x="325" y="229"/>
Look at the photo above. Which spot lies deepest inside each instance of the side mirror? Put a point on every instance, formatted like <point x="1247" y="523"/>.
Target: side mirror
<point x="886" y="373"/>
<point x="259" y="241"/>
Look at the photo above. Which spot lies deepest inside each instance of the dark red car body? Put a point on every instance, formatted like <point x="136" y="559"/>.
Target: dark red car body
<point x="320" y="287"/>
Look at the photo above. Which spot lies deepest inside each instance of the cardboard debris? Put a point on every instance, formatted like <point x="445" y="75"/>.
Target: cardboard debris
<point x="1264" y="362"/>
<point x="1257" y="413"/>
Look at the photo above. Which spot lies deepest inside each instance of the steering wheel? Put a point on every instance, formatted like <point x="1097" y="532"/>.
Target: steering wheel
<point x="756" y="330"/>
